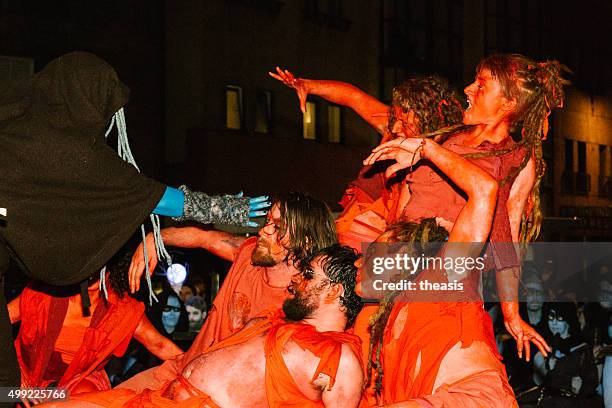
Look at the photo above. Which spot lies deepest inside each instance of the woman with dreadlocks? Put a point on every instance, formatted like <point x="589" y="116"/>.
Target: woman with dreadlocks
<point x="437" y="349"/>
<point x="421" y="104"/>
<point x="536" y="88"/>
<point x="510" y="91"/>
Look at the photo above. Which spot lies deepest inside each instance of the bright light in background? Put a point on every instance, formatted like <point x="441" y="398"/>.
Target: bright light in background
<point x="176" y="273"/>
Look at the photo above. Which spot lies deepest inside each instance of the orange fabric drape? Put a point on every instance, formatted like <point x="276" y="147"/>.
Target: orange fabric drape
<point x="281" y="390"/>
<point x="111" y="328"/>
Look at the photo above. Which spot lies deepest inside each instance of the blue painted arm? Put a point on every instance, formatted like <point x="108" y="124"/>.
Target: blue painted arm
<point x="171" y="204"/>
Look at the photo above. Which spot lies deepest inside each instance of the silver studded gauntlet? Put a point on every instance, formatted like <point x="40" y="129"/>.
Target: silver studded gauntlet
<point x="205" y="209"/>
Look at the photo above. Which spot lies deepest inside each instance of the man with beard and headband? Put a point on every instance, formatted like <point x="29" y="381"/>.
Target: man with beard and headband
<point x="303" y="358"/>
<point x="297" y="225"/>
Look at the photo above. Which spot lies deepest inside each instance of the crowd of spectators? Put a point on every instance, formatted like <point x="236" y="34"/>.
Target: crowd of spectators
<point x="575" y="319"/>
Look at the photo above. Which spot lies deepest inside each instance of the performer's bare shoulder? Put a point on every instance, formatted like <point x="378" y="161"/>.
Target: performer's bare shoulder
<point x="243" y="367"/>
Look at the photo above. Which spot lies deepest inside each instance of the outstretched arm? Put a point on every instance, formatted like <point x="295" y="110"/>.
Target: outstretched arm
<point x="508" y="278"/>
<point x="185" y="205"/>
<point x="222" y="244"/>
<point x="369" y="108"/>
<point x="157" y="344"/>
<point x="219" y="243"/>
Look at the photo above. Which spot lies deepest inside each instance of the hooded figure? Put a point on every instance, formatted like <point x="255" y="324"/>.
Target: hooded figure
<point x="71" y="201"/>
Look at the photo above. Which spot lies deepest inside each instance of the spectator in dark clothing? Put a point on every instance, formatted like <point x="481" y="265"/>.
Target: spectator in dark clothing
<point x="568" y="376"/>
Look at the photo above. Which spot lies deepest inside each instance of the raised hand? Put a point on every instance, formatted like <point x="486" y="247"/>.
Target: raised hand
<point x="405" y="151"/>
<point x="291" y="81"/>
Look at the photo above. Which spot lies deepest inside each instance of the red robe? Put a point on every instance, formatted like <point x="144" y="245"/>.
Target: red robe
<point x="430" y="329"/>
<point x="111" y="328"/>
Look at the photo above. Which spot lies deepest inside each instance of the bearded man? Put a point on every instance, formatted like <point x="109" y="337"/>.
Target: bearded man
<point x="297" y="225"/>
<point x="303" y="358"/>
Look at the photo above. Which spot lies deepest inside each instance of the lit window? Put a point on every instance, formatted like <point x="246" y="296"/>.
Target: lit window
<point x="263" y="112"/>
<point x="233" y="96"/>
<point x="309" y="121"/>
<point x="334" y="121"/>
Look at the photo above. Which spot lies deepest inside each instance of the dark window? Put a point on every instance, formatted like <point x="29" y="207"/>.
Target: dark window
<point x="421" y="36"/>
<point x="569" y="155"/>
<point x="581" y="157"/>
<point x="311" y="7"/>
<point x="603" y="160"/>
<point x="263" y="112"/>
<point x="513" y="26"/>
<point x="335" y="8"/>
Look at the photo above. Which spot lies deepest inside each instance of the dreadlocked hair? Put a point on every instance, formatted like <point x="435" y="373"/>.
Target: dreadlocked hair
<point x="422" y="238"/>
<point x="432" y="100"/>
<point x="537" y="87"/>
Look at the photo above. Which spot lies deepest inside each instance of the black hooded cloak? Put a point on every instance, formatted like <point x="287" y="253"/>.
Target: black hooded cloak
<point x="71" y="201"/>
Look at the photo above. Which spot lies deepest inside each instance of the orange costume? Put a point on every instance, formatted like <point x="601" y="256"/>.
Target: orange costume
<point x="432" y="195"/>
<point x="244" y="295"/>
<point x="418" y="336"/>
<point x="281" y="390"/>
<point x="369" y="206"/>
<point x="50" y="352"/>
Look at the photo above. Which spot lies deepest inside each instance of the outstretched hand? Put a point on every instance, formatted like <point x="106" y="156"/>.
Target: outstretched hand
<point x="291" y="81"/>
<point x="258" y="207"/>
<point x="524" y="335"/>
<point x="406" y="151"/>
<point x="137" y="267"/>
